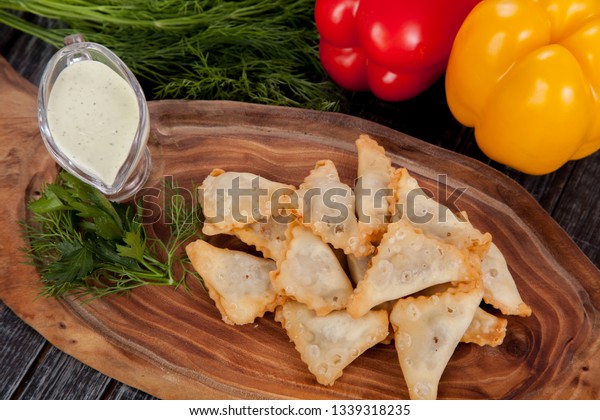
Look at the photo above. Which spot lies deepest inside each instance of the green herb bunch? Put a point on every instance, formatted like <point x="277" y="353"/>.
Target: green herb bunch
<point x="262" y="51"/>
<point x="83" y="245"/>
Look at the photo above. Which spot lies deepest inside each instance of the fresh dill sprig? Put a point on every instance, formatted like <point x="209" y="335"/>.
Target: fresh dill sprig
<point x="262" y="51"/>
<point x="85" y="246"/>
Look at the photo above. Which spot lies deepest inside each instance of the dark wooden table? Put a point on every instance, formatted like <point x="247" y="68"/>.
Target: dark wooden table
<point x="31" y="368"/>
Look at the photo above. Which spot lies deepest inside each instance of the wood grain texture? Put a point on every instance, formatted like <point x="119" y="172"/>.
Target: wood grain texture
<point x="121" y="391"/>
<point x="584" y="181"/>
<point x="172" y="344"/>
<point x="58" y="372"/>
<point x="22" y="346"/>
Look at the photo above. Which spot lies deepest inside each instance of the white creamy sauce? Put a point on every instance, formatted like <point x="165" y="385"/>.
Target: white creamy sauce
<point x="93" y="116"/>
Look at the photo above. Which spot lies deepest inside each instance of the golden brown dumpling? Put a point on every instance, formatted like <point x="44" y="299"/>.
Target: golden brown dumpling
<point x="327" y="344"/>
<point x="239" y="283"/>
<point x="232" y="200"/>
<point x="311" y="273"/>
<point x="327" y="206"/>
<point x="372" y="189"/>
<point x="408" y="261"/>
<point x="427" y="331"/>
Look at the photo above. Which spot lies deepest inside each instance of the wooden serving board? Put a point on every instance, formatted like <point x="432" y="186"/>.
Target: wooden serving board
<point x="173" y="345"/>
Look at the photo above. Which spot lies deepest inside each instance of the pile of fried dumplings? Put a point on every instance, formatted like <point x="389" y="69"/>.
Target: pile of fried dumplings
<point x="345" y="268"/>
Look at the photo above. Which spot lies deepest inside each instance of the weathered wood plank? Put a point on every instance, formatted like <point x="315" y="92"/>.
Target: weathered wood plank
<point x="27" y="54"/>
<point x="124" y="392"/>
<point x="20" y="346"/>
<point x="61" y="377"/>
<point x="580" y="202"/>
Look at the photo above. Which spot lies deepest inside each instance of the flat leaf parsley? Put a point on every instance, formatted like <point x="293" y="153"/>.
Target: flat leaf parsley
<point x="84" y="245"/>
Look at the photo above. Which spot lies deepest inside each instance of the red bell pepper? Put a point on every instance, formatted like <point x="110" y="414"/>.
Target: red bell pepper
<point x="395" y="48"/>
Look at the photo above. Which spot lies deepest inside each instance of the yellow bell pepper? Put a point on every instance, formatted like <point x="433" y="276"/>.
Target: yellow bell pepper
<point x="526" y="75"/>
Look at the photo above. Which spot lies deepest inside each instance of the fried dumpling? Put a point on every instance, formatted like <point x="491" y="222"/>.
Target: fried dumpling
<point x="239" y="283"/>
<point x="372" y="189"/>
<point x="500" y="289"/>
<point x="485" y="329"/>
<point x="406" y="262"/>
<point x="327" y="344"/>
<point x="310" y="272"/>
<point x="327" y="206"/>
<point x="357" y="268"/>
<point x="267" y="236"/>
<point x="232" y="200"/>
<point x="439" y="221"/>
<point x="427" y="331"/>
<point x="433" y="218"/>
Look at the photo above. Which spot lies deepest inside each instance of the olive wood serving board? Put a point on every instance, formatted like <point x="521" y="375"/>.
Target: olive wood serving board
<point x="173" y="344"/>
